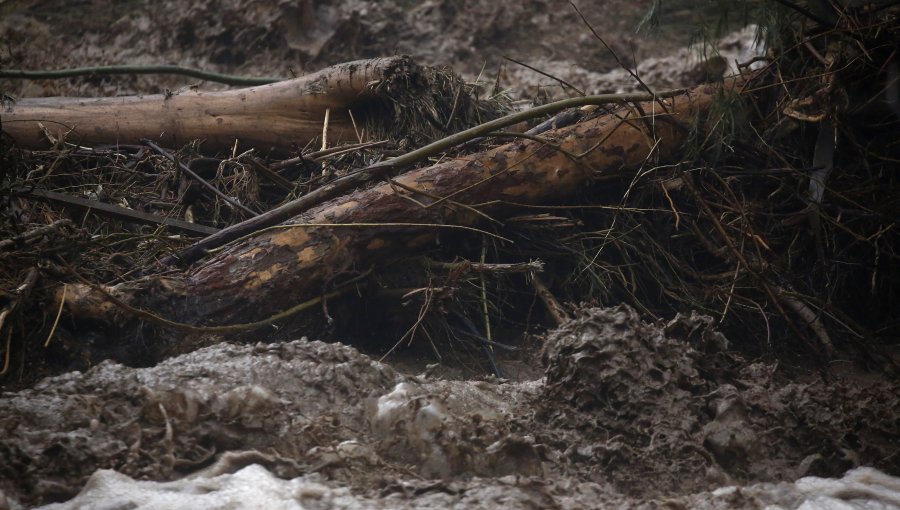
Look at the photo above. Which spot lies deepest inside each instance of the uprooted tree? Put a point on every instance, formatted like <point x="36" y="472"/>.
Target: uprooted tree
<point x="291" y="262"/>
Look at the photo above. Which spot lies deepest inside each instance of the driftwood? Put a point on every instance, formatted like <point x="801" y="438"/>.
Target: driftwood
<point x="278" y="115"/>
<point x="276" y="268"/>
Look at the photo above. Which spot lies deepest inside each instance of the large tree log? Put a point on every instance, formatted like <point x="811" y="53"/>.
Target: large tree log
<point x="280" y="267"/>
<point x="278" y="115"/>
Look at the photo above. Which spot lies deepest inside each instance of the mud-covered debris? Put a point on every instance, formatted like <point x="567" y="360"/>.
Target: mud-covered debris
<point x="454" y="428"/>
<point x="728" y="436"/>
<point x="632" y="390"/>
<point x="625" y="398"/>
<point x="609" y="359"/>
<point x="173" y="419"/>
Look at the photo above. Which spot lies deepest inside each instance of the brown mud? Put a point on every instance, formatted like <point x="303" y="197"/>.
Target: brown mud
<point x="284" y="39"/>
<point x="605" y="411"/>
<point x="627" y="413"/>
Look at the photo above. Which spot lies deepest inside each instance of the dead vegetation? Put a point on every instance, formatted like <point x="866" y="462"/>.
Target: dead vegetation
<point x="776" y="215"/>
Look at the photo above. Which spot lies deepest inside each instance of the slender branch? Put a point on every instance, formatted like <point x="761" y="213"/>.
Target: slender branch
<point x="280" y="181"/>
<point x="111" y="210"/>
<point x="38" y="232"/>
<point x="21" y="295"/>
<point x="317" y="155"/>
<point x="513" y="119"/>
<point x="227" y="79"/>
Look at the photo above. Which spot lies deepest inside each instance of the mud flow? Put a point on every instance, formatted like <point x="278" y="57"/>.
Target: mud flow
<point x="609" y="409"/>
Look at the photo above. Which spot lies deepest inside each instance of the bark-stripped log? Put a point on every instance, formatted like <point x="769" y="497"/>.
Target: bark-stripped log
<point x="277" y="268"/>
<point x="278" y="115"/>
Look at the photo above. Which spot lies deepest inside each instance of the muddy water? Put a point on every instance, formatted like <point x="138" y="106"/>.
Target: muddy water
<point x="627" y="413"/>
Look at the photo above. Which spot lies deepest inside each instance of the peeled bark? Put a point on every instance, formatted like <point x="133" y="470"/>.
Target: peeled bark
<point x="278" y="115"/>
<point x="278" y="268"/>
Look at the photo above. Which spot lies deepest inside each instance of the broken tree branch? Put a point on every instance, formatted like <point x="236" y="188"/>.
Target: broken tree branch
<point x="278" y="115"/>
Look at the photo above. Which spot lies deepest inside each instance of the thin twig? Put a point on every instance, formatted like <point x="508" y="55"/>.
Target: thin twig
<point x="548" y="75"/>
<point x="325" y="128"/>
<point x="280" y="181"/>
<point x="317" y="155"/>
<point x="35" y="233"/>
<point x="22" y="293"/>
<point x="465" y="266"/>
<point x="197" y="178"/>
<point x="397" y="184"/>
<point x="62" y="303"/>
<point x="535" y="138"/>
<point x="453" y="109"/>
<point x="359" y="137"/>
<point x="116" y="211"/>
<point x="484" y="299"/>
<point x="611" y="52"/>
<point x="411" y="332"/>
<point x="6" y="356"/>
<point x="739" y="256"/>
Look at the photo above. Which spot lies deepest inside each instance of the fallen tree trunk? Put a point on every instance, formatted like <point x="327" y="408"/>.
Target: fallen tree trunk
<point x="281" y="266"/>
<point x="279" y="115"/>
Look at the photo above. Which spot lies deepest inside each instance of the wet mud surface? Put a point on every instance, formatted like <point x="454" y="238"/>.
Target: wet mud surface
<point x="284" y="39"/>
<point x="626" y="412"/>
